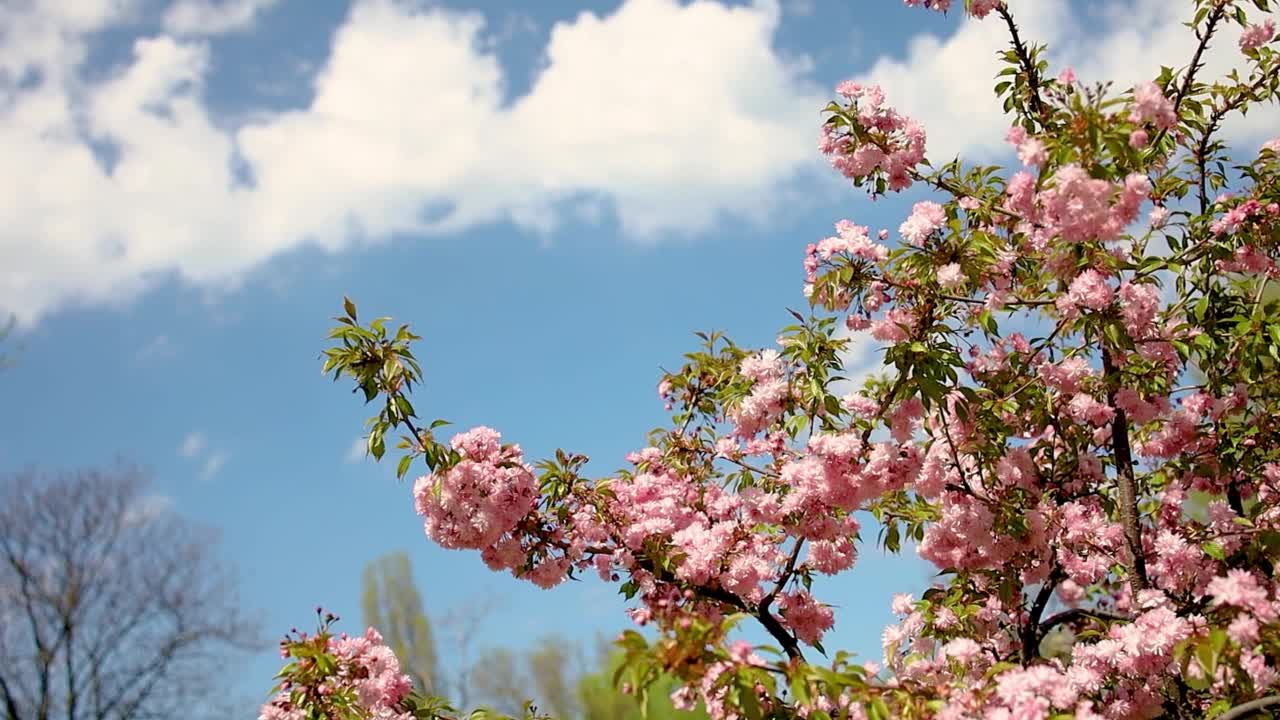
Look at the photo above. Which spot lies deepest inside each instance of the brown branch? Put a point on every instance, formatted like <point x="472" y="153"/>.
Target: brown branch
<point x="1125" y="479"/>
<point x="760" y="612"/>
<point x="1074" y="614"/>
<point x="786" y="575"/>
<point x="1211" y="127"/>
<point x="1246" y="709"/>
<point x="1197" y="63"/>
<point x="1024" y="57"/>
<point x="10" y="703"/>
<point x="1031" y="632"/>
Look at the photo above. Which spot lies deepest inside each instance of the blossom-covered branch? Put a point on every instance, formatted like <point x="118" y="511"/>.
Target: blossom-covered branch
<point x="1040" y="438"/>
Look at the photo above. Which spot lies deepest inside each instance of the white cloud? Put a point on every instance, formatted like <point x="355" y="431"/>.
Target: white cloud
<point x="211" y="17"/>
<point x="212" y="464"/>
<point x="358" y="451"/>
<point x="802" y="8"/>
<point x="861" y="359"/>
<point x="159" y="348"/>
<point x="192" y="445"/>
<point x="947" y="83"/>
<point x="672" y="115"/>
<point x="195" y="447"/>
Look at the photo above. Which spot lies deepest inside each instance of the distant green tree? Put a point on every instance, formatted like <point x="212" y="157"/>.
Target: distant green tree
<point x="565" y="683"/>
<point x="550" y="668"/>
<point x="393" y="605"/>
<point x="601" y="700"/>
<point x="498" y="682"/>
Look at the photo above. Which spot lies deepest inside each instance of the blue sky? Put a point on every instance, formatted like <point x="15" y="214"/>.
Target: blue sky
<point x="555" y="195"/>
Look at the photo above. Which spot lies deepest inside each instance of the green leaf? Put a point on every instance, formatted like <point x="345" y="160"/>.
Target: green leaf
<point x="350" y="307"/>
<point x="1214" y="550"/>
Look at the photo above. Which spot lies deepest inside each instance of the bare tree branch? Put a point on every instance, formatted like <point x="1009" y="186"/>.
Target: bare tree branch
<point x="125" y="612"/>
<point x="1246" y="709"/>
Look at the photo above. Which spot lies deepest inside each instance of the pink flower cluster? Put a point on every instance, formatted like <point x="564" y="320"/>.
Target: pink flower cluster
<point x="1150" y="104"/>
<point x="367" y="669"/>
<point x="769" y="392"/>
<point x="807" y="617"/>
<point x="482" y="498"/>
<point x="1079" y="207"/>
<point x="978" y="9"/>
<point x="896" y="146"/>
<point x="926" y="218"/>
<point x="1031" y="150"/>
<point x="1255" y="36"/>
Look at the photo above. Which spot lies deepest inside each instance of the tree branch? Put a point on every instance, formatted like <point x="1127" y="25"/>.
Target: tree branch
<point x="786" y="574"/>
<point x="1024" y="57"/>
<point x="1211" y="24"/>
<point x="1031" y="632"/>
<point x="10" y="703"/>
<point x="1074" y="614"/>
<point x="1125" y="478"/>
<point x="1246" y="709"/>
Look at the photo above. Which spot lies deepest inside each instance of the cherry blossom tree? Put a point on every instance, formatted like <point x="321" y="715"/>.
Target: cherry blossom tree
<point x="1074" y="346"/>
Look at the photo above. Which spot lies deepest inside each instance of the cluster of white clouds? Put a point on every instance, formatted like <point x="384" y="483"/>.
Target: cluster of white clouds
<point x="947" y="83"/>
<point x="674" y="115"/>
<point x="212" y="17"/>
<point x="195" y="447"/>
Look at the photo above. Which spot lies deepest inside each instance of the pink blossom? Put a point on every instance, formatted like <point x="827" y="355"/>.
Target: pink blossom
<point x="742" y="653"/>
<point x="981" y="8"/>
<point x="939" y="5"/>
<point x="483" y="497"/>
<point x="900" y="146"/>
<point x="765" y="366"/>
<point x="808" y="618"/>
<point x="368" y="671"/>
<point x="832" y="556"/>
<point x="963" y="649"/>
<point x="1079" y="206"/>
<point x="1086" y="408"/>
<point x="1150" y="103"/>
<point x="1066" y="375"/>
<point x="1090" y="290"/>
<point x="1255" y="36"/>
<point x="950" y="276"/>
<point x="758" y="410"/>
<point x="926" y="217"/>
<point x="1138" y="306"/>
<point x="895" y="327"/>
<point x="684" y="698"/>
<point x="860" y="405"/>
<point x="1241" y="589"/>
<point x="1032" y="152"/>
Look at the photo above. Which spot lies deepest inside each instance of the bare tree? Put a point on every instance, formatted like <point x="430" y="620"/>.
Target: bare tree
<point x="462" y="625"/>
<point x="112" y="607"/>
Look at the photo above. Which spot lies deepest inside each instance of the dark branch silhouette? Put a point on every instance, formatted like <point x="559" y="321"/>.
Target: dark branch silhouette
<point x="112" y="607"/>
